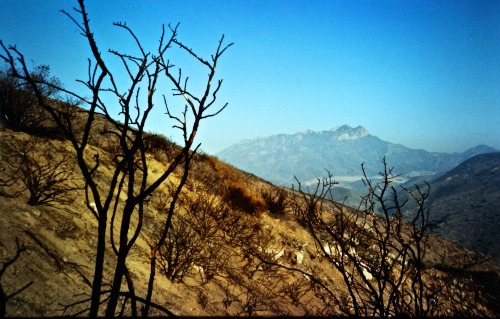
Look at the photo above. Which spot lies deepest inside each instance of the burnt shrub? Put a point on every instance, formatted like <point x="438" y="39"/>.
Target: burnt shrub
<point x="44" y="173"/>
<point x="194" y="239"/>
<point x="276" y="200"/>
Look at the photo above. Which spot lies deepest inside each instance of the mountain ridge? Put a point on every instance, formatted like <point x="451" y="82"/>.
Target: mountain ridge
<point x="465" y="204"/>
<point x="344" y="130"/>
<point x="340" y="150"/>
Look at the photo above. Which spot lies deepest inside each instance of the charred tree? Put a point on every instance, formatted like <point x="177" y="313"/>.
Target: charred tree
<point x="130" y="179"/>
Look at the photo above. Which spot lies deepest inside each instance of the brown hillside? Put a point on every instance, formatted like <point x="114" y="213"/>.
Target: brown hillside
<point x="231" y="252"/>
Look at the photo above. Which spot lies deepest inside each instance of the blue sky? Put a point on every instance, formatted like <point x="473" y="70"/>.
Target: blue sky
<point x="425" y="74"/>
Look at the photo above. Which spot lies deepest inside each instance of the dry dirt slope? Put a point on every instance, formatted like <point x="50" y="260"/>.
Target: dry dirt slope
<point x="60" y="242"/>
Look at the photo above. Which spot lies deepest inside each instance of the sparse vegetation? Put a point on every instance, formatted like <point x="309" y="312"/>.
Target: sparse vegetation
<point x="141" y="238"/>
<point x="381" y="258"/>
<point x="267" y="263"/>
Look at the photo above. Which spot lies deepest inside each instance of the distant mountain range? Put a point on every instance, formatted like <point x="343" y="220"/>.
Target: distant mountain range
<point x="465" y="187"/>
<point x="465" y="204"/>
<point x="279" y="158"/>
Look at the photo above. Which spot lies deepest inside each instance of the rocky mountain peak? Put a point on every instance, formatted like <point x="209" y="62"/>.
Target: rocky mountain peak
<point x="346" y="132"/>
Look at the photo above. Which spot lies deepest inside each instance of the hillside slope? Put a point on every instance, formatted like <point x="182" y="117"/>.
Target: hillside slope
<point x="465" y="204"/>
<point x="240" y="257"/>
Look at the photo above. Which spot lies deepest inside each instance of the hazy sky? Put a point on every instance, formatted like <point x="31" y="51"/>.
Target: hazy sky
<point x="425" y="74"/>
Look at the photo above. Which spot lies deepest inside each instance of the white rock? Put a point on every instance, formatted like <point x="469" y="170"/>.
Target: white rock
<point x="326" y="247"/>
<point x="367" y="274"/>
<point x="299" y="256"/>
